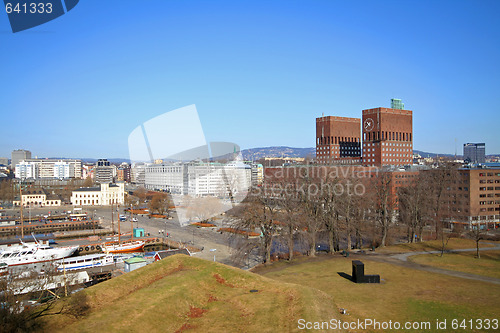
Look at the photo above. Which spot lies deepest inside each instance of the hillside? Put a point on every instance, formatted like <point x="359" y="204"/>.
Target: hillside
<point x="258" y="153"/>
<point x="183" y="293"/>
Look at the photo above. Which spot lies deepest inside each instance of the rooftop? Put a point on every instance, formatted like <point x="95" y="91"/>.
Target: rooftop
<point x="135" y="260"/>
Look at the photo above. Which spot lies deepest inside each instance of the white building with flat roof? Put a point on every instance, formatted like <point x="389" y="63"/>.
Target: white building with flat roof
<point x="49" y="168"/>
<point x="165" y="177"/>
<point x="26" y="170"/>
<point x="199" y="179"/>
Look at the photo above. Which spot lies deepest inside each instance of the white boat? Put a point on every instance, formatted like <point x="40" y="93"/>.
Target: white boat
<point x="123" y="247"/>
<point x="83" y="262"/>
<point x="33" y="253"/>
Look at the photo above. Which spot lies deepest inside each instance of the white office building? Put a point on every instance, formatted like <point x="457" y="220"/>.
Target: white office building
<point x="50" y="168"/>
<point x="26" y="170"/>
<point x="165" y="177"/>
<point x="199" y="179"/>
<point x="138" y="173"/>
<point x="63" y="170"/>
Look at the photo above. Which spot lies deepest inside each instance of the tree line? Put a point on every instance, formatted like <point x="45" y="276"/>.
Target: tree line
<point x="351" y="211"/>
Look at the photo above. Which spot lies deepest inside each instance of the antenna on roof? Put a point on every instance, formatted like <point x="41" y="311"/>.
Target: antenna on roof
<point x="455" y="148"/>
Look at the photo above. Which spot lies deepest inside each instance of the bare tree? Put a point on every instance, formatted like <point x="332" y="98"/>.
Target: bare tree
<point x="331" y="216"/>
<point x="159" y="203"/>
<point x="141" y="194"/>
<point x="290" y="215"/>
<point x="441" y="183"/>
<point x="21" y="295"/>
<point x="7" y="190"/>
<point x="477" y="234"/>
<point x="204" y="208"/>
<point x="382" y="203"/>
<point x="310" y="198"/>
<point x="89" y="182"/>
<point x="414" y="207"/>
<point x="260" y="213"/>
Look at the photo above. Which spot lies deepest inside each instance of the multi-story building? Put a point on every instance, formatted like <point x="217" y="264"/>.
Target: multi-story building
<point x="138" y="173"/>
<point x="474" y="152"/>
<point x="104" y="195"/>
<point x="50" y="168"/>
<point x="257" y="174"/>
<point x="26" y="170"/>
<point x="199" y="179"/>
<point x="4" y="161"/>
<point x="220" y="180"/>
<point x="88" y="171"/>
<point x="475" y="197"/>
<point x="103" y="172"/>
<point x="123" y="173"/>
<point x="387" y="137"/>
<point x="165" y="177"/>
<point x="63" y="170"/>
<point x="18" y="156"/>
<point x="338" y="140"/>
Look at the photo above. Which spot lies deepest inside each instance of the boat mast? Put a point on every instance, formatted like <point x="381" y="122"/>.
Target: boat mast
<point x="112" y="220"/>
<point x="119" y="232"/>
<point x="21" y="204"/>
<point x="131" y="224"/>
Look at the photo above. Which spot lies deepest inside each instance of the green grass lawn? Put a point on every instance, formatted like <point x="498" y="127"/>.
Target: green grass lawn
<point x="404" y="294"/>
<point x="487" y="265"/>
<point x="182" y="293"/>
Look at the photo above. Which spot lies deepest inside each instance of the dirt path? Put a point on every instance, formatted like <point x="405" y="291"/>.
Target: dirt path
<point x="404" y="256"/>
<point x="410" y="264"/>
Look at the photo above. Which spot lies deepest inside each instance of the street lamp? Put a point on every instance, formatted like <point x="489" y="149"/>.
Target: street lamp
<point x="213" y="250"/>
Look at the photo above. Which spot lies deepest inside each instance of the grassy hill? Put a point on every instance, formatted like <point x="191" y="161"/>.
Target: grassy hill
<point x="183" y="293"/>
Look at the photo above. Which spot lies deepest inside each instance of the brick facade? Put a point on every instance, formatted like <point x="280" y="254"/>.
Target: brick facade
<point x="387" y="137"/>
<point x="338" y="140"/>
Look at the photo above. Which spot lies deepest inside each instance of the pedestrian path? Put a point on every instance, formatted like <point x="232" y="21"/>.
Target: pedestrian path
<point x="401" y="259"/>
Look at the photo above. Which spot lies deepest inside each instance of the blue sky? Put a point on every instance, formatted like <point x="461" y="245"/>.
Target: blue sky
<point x="259" y="72"/>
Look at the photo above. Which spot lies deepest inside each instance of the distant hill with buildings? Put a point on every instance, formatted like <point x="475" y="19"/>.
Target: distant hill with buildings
<point x="111" y="160"/>
<point x="279" y="151"/>
<point x="459" y="156"/>
<point x="433" y="155"/>
<point x="253" y="154"/>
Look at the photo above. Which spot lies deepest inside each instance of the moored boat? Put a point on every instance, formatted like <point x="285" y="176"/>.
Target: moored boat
<point x="123" y="247"/>
<point x="27" y="254"/>
<point x="83" y="262"/>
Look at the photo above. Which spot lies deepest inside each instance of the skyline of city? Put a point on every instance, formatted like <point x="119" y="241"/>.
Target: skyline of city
<point x="259" y="73"/>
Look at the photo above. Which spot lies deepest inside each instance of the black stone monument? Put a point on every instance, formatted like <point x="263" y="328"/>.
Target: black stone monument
<point x="358" y="273"/>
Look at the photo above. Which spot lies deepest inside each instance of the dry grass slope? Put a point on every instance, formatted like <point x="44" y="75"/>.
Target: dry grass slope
<point x="186" y="294"/>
